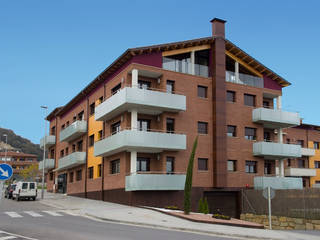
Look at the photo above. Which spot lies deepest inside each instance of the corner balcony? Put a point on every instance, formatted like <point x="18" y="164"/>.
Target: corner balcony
<point x="72" y="160"/>
<point x="280" y="183"/>
<point x="300" y="172"/>
<point x="140" y="141"/>
<point x="153" y="182"/>
<point x="73" y="131"/>
<point x="146" y="101"/>
<point x="309" y="152"/>
<point x="272" y="118"/>
<point x="48" y="140"/>
<point x="49" y="164"/>
<point x="271" y="150"/>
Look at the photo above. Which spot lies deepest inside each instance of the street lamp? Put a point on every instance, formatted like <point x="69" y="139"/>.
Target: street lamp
<point x="6" y="147"/>
<point x="44" y="149"/>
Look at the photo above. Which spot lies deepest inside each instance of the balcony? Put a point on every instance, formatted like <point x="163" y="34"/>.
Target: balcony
<point x="153" y="182"/>
<point x="49" y="164"/>
<point x="271" y="150"/>
<point x="72" y="160"/>
<point x="300" y="172"/>
<point x="48" y="140"/>
<point x="261" y="183"/>
<point x="309" y="152"/>
<point x="146" y="101"/>
<point x="73" y="131"/>
<point x="140" y="141"/>
<point x="272" y="118"/>
<point x="244" y="79"/>
<point x="185" y="67"/>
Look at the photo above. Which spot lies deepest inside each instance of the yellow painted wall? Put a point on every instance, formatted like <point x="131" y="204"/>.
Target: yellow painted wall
<point x="94" y="128"/>
<point x="316" y="157"/>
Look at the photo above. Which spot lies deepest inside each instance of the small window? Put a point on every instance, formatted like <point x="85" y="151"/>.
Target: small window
<point x="289" y="162"/>
<point x="53" y="131"/>
<point x="115" y="166"/>
<point x="67" y="124"/>
<point x="266" y="104"/>
<point x="116" y="89"/>
<point x="81" y="116"/>
<point x="203" y="127"/>
<point x="232" y="165"/>
<point x="232" y="131"/>
<point x="62" y="153"/>
<point x="144" y="84"/>
<point x="71" y="177"/>
<point x="170" y="165"/>
<point x="32" y="186"/>
<point x="288" y="140"/>
<point x="170" y="125"/>
<point x="62" y="127"/>
<point x="170" y="86"/>
<point x="74" y="118"/>
<point x="99" y="170"/>
<point x="79" y="145"/>
<point x="316" y="145"/>
<point x="266" y="136"/>
<point x="202" y="91"/>
<point x="251" y="167"/>
<point x="301" y="163"/>
<point x="91" y="140"/>
<point x="67" y="151"/>
<point x="250" y="133"/>
<point x="79" y="175"/>
<point x="92" y="107"/>
<point x="99" y="135"/>
<point x="100" y="99"/>
<point x="144" y="124"/>
<point x="231" y="96"/>
<point x="24" y="185"/>
<point x="249" y="100"/>
<point x="51" y="176"/>
<point x="90" y="172"/>
<point x="73" y="147"/>
<point x="300" y="142"/>
<point x="52" y="153"/>
<point x="115" y="128"/>
<point x="143" y="164"/>
<point x="267" y="167"/>
<point x="203" y="164"/>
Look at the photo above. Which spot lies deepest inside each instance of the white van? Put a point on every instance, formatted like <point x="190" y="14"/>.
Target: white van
<point x="27" y="190"/>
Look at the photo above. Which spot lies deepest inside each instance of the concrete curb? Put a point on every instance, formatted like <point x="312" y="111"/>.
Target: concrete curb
<point x="179" y="228"/>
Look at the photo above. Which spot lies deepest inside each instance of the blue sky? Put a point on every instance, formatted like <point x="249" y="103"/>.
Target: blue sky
<point x="50" y="50"/>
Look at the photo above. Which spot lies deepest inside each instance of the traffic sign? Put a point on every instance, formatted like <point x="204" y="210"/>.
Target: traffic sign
<point x="265" y="193"/>
<point x="5" y="171"/>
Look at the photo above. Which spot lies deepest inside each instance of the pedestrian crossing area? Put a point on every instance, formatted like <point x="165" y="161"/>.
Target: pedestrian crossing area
<point x="38" y="214"/>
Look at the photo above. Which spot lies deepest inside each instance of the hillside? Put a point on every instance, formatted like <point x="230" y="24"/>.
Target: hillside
<point x="20" y="143"/>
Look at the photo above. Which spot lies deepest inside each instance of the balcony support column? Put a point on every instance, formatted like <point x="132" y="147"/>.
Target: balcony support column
<point x="133" y="162"/>
<point x="281" y="167"/>
<point x="134" y="119"/>
<point x="193" y="60"/>
<point x="236" y="71"/>
<point x="279" y="103"/>
<point x="134" y="78"/>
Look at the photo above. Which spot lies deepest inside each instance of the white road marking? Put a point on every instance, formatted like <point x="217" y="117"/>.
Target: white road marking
<point x="69" y="212"/>
<point x="7" y="237"/>
<point x="52" y="213"/>
<point x="13" y="214"/>
<point x="33" y="214"/>
<point x="16" y="236"/>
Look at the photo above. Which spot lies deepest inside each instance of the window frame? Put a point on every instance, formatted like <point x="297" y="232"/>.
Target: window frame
<point x="202" y="167"/>
<point x="234" y="134"/>
<point x="234" y="165"/>
<point x="245" y="100"/>
<point x="248" y="166"/>
<point x="233" y="96"/>
<point x="90" y="172"/>
<point x="205" y="124"/>
<point x="199" y="93"/>
<point x="250" y="137"/>
<point x="115" y="166"/>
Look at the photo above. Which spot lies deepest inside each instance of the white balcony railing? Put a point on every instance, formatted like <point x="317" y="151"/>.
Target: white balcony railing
<point x="49" y="164"/>
<point x="185" y="67"/>
<point x="272" y="150"/>
<point x="300" y="172"/>
<point x="72" y="160"/>
<point x="244" y="79"/>
<point x="73" y="131"/>
<point x="49" y="140"/>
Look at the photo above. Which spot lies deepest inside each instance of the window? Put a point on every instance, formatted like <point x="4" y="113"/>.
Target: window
<point x="250" y="133"/>
<point x="249" y="100"/>
<point x="301" y="163"/>
<point x="143" y="124"/>
<point x="71" y="177"/>
<point x="232" y="165"/>
<point x="79" y="175"/>
<point x="73" y="147"/>
<point x="116" y="89"/>
<point x="170" y="86"/>
<point x="81" y="116"/>
<point x="21" y="159"/>
<point x="300" y="142"/>
<point x="74" y="118"/>
<point x="267" y="167"/>
<point x="143" y="164"/>
<point x="202" y="91"/>
<point x="231" y="131"/>
<point x="203" y="164"/>
<point x="92" y="106"/>
<point x="51" y="176"/>
<point x="99" y="170"/>
<point x="316" y="145"/>
<point x="62" y="127"/>
<point x="115" y="128"/>
<point x="99" y="135"/>
<point x="170" y="125"/>
<point x="79" y="145"/>
<point x="231" y="96"/>
<point x="170" y="165"/>
<point x="32" y="185"/>
<point x="53" y="130"/>
<point x="24" y="185"/>
<point x="266" y="136"/>
<point x="67" y="150"/>
<point x="316" y="164"/>
<point x="52" y="153"/>
<point x="62" y="153"/>
<point x="144" y="84"/>
<point x="203" y="127"/>
<point x="288" y="140"/>
<point x="266" y="104"/>
<point x="251" y="167"/>
<point x="91" y="140"/>
<point x="100" y="99"/>
<point x="90" y="172"/>
<point x="67" y="123"/>
<point x="289" y="162"/>
<point x="115" y="166"/>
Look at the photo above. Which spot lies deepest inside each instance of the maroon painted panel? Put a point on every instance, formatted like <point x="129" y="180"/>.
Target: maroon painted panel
<point x="271" y="84"/>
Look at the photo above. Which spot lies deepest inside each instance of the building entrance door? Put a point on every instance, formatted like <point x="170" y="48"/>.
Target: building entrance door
<point x="62" y="183"/>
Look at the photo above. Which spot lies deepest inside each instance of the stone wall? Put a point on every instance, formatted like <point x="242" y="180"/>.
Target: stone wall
<point x="281" y="223"/>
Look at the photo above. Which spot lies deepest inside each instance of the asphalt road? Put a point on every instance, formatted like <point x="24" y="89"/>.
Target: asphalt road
<point x="33" y="220"/>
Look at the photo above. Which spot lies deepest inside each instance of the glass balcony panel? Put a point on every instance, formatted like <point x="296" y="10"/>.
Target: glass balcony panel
<point x="73" y="131"/>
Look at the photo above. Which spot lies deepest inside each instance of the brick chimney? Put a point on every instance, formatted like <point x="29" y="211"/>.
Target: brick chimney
<point x="218" y="29"/>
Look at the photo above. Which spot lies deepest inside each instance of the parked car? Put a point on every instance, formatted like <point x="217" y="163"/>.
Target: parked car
<point x="25" y="190"/>
<point x="9" y="190"/>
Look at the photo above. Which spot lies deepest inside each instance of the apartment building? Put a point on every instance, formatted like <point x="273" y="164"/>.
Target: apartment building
<point x="128" y="135"/>
<point x="18" y="161"/>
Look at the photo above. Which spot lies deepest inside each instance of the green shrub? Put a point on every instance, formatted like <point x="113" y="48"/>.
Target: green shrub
<point x="221" y="216"/>
<point x="205" y="206"/>
<point x="171" y="207"/>
<point x="200" y="205"/>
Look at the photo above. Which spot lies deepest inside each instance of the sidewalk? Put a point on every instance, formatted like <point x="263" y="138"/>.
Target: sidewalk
<point x="144" y="217"/>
